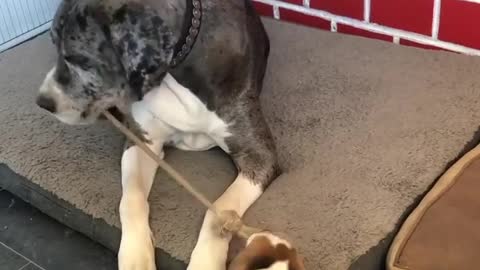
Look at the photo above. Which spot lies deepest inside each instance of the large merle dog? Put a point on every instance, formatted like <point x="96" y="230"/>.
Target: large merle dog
<point x="181" y="72"/>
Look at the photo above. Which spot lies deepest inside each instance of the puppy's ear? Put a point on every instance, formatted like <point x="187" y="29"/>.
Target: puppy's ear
<point x="144" y="44"/>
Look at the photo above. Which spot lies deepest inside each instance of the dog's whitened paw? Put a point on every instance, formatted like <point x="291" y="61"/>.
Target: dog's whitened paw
<point x="209" y="254"/>
<point x="136" y="251"/>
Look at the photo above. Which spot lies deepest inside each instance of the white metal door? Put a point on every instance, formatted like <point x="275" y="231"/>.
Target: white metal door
<point x="23" y="19"/>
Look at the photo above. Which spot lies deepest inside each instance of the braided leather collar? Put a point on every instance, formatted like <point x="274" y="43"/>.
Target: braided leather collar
<point x="191" y="28"/>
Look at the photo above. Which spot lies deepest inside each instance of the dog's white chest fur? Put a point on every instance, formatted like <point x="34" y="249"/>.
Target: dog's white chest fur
<point x="173" y="114"/>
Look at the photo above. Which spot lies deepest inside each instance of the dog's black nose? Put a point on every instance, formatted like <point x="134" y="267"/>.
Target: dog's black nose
<point x="46" y="103"/>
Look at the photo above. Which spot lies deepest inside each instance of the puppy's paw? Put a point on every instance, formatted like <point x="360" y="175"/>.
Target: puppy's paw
<point x="136" y="251"/>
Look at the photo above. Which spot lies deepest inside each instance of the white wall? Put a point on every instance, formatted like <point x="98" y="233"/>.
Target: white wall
<point x="23" y="19"/>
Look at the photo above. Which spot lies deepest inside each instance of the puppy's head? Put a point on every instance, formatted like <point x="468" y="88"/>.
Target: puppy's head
<point x="265" y="251"/>
<point x="109" y="54"/>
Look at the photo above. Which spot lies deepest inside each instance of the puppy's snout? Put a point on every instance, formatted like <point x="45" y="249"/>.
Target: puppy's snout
<point x="46" y="103"/>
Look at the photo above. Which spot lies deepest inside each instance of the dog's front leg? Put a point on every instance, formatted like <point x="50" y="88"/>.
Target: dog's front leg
<point x="138" y="171"/>
<point x="254" y="154"/>
<point x="212" y="249"/>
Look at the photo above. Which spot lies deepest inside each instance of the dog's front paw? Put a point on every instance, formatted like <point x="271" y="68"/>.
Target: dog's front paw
<point x="209" y="253"/>
<point x="136" y="251"/>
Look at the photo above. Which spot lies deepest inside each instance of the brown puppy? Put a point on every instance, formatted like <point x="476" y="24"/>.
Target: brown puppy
<point x="265" y="251"/>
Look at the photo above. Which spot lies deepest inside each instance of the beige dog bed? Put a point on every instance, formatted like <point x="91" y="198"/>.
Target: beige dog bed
<point x="443" y="231"/>
<point x="362" y="128"/>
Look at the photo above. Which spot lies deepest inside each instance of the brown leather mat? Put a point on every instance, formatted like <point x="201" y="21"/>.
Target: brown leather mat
<point x="443" y="233"/>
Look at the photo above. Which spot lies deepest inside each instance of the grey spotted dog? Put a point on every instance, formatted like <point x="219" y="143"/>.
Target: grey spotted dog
<point x="183" y="72"/>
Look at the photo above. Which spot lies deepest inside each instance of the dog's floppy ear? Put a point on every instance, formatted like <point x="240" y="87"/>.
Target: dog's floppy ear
<point x="144" y="44"/>
<point x="59" y="21"/>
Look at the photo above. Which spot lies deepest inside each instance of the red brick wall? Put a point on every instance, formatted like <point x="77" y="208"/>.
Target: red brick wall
<point x="431" y="24"/>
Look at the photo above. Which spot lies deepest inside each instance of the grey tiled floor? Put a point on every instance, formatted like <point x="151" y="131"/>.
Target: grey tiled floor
<point x="11" y="259"/>
<point x="30" y="266"/>
<point x="29" y="240"/>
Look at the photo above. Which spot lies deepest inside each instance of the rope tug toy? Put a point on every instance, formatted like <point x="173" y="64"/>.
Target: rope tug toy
<point x="229" y="221"/>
